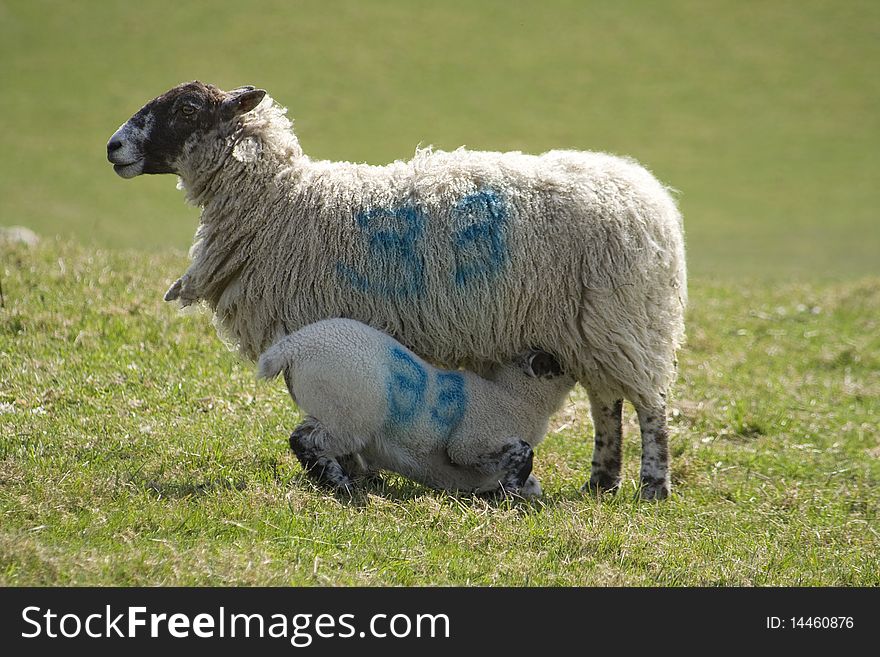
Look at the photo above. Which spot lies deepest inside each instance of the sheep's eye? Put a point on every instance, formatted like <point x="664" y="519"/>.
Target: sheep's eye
<point x="188" y="110"/>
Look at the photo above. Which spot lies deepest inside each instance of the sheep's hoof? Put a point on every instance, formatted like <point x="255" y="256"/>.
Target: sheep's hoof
<point x="327" y="473"/>
<point x="322" y="469"/>
<point x="361" y="472"/>
<point x="531" y="489"/>
<point x="330" y="474"/>
<point x="653" y="488"/>
<point x="372" y="480"/>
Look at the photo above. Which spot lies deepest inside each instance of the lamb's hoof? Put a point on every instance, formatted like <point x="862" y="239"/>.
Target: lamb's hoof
<point x="653" y="488"/>
<point x="600" y="483"/>
<point x="361" y="472"/>
<point x="531" y="489"/>
<point x="328" y="474"/>
<point x="507" y="493"/>
<point x="332" y="476"/>
<point x="373" y="480"/>
<point x="323" y="470"/>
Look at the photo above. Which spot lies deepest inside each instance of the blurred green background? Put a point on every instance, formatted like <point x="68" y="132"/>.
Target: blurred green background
<point x="765" y="115"/>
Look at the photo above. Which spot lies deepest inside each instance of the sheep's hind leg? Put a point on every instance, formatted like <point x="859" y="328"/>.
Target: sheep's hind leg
<point x="309" y="443"/>
<point x="608" y="450"/>
<point x="654" y="475"/>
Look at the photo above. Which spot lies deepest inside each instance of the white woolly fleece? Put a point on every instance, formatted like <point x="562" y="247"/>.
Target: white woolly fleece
<point x="465" y="257"/>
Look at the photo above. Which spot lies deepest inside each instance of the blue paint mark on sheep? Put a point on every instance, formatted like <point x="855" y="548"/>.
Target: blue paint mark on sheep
<point x="451" y="401"/>
<point x="407" y="383"/>
<point x="481" y="246"/>
<point x="394" y="241"/>
<point x="395" y="265"/>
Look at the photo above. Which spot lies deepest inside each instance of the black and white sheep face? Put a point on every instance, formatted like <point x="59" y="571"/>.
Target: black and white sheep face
<point x="154" y="139"/>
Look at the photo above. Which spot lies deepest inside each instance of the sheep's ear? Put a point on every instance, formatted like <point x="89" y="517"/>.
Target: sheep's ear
<point x="540" y="363"/>
<point x="241" y="101"/>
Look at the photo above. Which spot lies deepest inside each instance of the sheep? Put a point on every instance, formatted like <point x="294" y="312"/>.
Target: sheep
<point x="465" y="257"/>
<point x="373" y="402"/>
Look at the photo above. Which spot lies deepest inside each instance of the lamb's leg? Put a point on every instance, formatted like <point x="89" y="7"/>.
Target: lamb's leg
<point x="360" y="470"/>
<point x="517" y="466"/>
<point x="654" y="475"/>
<point x="608" y="451"/>
<point x="511" y="462"/>
<point x="309" y="441"/>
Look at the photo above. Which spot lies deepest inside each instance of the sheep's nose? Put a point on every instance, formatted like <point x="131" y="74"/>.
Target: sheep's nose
<point x="113" y="145"/>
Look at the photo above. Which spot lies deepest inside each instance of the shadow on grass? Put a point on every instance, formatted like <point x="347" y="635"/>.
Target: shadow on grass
<point x="183" y="490"/>
<point x="397" y="489"/>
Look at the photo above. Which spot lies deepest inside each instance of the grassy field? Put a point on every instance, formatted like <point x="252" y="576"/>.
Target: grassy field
<point x="763" y="114"/>
<point x="135" y="449"/>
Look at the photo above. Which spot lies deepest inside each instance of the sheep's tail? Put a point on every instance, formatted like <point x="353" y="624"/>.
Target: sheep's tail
<point x="276" y="358"/>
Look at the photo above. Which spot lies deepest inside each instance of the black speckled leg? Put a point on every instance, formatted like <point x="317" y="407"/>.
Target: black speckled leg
<point x="654" y="475"/>
<point x="307" y="442"/>
<point x="608" y="450"/>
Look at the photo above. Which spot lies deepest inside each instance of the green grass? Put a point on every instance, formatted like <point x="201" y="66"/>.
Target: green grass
<point x="135" y="449"/>
<point x="763" y="114"/>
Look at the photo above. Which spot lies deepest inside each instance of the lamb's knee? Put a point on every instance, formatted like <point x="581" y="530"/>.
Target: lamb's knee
<point x="512" y="464"/>
<point x="521" y="467"/>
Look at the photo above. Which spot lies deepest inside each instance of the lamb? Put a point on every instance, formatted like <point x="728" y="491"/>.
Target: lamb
<point x="374" y="402"/>
<point x="465" y="257"/>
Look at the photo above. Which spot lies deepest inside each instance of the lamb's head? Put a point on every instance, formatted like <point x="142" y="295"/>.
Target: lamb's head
<point x="155" y="138"/>
<point x="535" y="377"/>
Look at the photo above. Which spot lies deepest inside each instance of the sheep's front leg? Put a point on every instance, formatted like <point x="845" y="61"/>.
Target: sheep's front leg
<point x="654" y="475"/>
<point x="608" y="450"/>
<point x="311" y="443"/>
